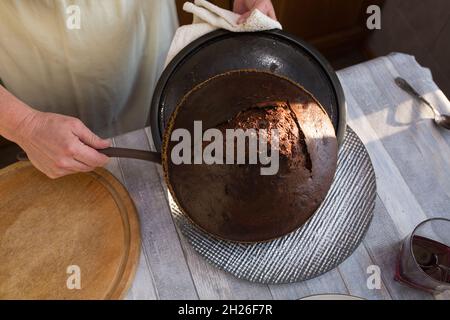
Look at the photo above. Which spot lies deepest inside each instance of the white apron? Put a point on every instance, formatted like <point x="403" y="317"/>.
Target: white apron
<point x="97" y="60"/>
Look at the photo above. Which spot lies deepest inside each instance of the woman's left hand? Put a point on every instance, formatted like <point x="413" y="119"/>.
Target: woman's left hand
<point x="246" y="7"/>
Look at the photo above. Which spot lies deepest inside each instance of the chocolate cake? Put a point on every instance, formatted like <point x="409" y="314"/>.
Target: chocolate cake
<point x="236" y="202"/>
<point x="274" y="116"/>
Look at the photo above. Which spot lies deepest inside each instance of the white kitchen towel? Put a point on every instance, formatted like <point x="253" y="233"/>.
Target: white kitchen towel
<point x="209" y="17"/>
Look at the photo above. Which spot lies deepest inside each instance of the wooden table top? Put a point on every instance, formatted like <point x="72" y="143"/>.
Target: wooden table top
<point x="411" y="158"/>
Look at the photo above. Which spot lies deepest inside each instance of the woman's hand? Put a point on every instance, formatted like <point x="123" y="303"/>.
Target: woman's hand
<point x="246" y="7"/>
<point x="59" y="145"/>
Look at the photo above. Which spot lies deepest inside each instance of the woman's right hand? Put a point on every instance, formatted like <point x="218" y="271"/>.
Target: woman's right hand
<point x="60" y="145"/>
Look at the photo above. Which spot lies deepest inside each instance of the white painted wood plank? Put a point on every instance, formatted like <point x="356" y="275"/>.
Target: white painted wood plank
<point x="443" y="296"/>
<point x="392" y="122"/>
<point x="114" y="168"/>
<point x="213" y="283"/>
<point x="354" y="273"/>
<point x="210" y="282"/>
<point x="414" y="147"/>
<point x="143" y="287"/>
<point x="398" y="199"/>
<point x="160" y="240"/>
<point x="349" y="278"/>
<point x="330" y="282"/>
<point x="383" y="244"/>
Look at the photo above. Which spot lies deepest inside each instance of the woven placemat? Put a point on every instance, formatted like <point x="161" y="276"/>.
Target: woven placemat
<point x="329" y="237"/>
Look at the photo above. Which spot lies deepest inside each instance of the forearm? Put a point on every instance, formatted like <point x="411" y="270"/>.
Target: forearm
<point x="13" y="115"/>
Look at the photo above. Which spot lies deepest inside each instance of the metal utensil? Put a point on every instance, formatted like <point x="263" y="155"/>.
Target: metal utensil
<point x="442" y="120"/>
<point x="117" y="153"/>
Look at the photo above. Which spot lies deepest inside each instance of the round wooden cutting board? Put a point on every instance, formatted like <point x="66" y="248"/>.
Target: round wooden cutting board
<point x="72" y="238"/>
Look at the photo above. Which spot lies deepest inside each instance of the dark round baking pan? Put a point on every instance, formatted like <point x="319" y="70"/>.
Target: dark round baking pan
<point x="271" y="51"/>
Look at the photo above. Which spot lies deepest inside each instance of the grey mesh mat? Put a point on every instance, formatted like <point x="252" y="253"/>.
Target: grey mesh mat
<point x="327" y="239"/>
